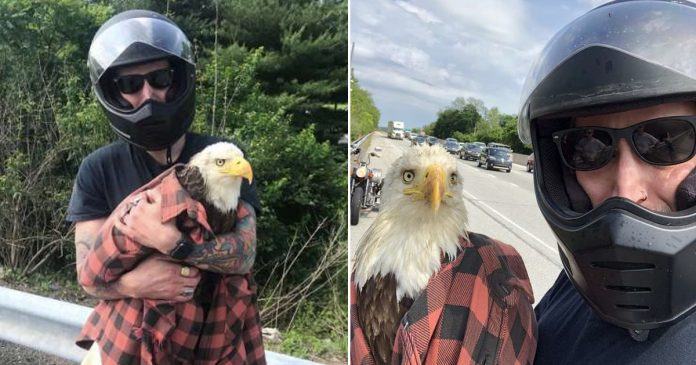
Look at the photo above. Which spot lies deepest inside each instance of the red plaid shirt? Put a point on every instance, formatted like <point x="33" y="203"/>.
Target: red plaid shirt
<point x="477" y="309"/>
<point x="144" y="331"/>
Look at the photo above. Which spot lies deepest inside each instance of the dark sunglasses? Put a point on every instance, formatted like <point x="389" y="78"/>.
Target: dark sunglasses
<point x="662" y="141"/>
<point x="158" y="79"/>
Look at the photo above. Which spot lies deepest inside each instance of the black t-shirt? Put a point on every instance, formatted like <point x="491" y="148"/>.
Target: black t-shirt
<point x="571" y="333"/>
<point x="112" y="172"/>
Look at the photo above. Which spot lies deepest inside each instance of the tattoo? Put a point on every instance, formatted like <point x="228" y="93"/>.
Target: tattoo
<point x="82" y="247"/>
<point x="106" y="292"/>
<point x="230" y="253"/>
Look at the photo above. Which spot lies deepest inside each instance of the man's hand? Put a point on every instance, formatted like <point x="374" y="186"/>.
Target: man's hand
<point x="142" y="223"/>
<point x="157" y="277"/>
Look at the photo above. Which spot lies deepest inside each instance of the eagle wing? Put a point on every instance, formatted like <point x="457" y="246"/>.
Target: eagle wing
<point x="191" y="179"/>
<point x="380" y="314"/>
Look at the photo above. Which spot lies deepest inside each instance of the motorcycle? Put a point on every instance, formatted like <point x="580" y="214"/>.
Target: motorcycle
<point x="365" y="187"/>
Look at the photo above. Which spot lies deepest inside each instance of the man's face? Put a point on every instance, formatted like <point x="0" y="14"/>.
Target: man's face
<point x="147" y="92"/>
<point x="628" y="176"/>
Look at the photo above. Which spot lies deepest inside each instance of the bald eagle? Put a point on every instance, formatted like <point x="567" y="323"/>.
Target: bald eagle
<point x="422" y="217"/>
<point x="213" y="177"/>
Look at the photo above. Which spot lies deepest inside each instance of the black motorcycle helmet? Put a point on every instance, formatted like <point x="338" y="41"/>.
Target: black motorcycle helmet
<point x="139" y="36"/>
<point x="635" y="267"/>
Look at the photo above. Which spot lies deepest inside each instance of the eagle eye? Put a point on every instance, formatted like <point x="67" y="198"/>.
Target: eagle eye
<point x="219" y="161"/>
<point x="454" y="179"/>
<point x="408" y="176"/>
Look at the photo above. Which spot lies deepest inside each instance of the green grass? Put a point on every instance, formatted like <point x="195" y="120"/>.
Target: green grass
<point x="319" y="334"/>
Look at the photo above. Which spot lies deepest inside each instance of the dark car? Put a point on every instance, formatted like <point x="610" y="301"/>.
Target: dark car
<point x="530" y="162"/>
<point x="452" y="146"/>
<point x="480" y="144"/>
<point x="418" y="141"/>
<point x="470" y="152"/>
<point x="500" y="145"/>
<point x="432" y="141"/>
<point x="495" y="157"/>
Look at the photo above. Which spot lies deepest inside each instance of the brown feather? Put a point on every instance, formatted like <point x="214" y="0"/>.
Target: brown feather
<point x="380" y="315"/>
<point x="191" y="179"/>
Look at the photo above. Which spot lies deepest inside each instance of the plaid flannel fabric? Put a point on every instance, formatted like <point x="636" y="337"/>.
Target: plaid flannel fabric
<point x="143" y="331"/>
<point x="477" y="309"/>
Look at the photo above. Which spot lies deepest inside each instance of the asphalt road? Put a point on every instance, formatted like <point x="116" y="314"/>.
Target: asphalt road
<point x="19" y="355"/>
<point x="501" y="205"/>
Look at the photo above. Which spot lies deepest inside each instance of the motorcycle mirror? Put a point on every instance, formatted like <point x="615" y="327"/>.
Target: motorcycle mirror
<point x="374" y="154"/>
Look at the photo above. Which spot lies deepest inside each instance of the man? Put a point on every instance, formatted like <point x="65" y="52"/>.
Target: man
<point x="625" y="221"/>
<point x="143" y="74"/>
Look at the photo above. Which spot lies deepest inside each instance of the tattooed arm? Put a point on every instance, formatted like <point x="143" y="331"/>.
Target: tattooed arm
<point x="231" y="253"/>
<point x="156" y="277"/>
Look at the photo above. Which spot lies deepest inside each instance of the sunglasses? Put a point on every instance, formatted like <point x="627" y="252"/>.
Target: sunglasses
<point x="662" y="141"/>
<point x="158" y="79"/>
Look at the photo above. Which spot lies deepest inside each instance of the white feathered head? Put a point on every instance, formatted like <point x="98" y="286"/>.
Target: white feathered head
<point x="223" y="167"/>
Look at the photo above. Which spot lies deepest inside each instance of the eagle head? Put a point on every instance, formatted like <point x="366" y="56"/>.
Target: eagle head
<point x="222" y="166"/>
<point x="422" y="217"/>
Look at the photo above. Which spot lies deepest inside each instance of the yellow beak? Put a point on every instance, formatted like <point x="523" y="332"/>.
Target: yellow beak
<point x="240" y="167"/>
<point x="434" y="187"/>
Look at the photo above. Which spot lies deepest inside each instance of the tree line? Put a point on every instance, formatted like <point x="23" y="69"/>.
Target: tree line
<point x="364" y="115"/>
<point x="469" y="120"/>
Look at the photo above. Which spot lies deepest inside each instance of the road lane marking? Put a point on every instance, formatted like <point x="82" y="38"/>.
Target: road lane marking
<point x="551" y="250"/>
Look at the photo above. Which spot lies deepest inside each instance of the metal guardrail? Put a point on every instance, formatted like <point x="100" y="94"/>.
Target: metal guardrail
<point x="51" y="326"/>
<point x="360" y="141"/>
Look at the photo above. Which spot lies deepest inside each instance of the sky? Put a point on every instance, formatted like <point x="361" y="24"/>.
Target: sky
<point x="416" y="57"/>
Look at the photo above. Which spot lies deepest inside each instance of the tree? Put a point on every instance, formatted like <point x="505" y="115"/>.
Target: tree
<point x="364" y="115"/>
<point x="493" y="116"/>
<point x="456" y="120"/>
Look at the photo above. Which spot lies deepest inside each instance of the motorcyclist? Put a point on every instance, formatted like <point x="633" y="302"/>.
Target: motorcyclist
<point x="625" y="221"/>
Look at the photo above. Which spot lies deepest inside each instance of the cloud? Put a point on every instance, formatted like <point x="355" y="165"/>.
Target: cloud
<point x="415" y="57"/>
<point x="421" y="13"/>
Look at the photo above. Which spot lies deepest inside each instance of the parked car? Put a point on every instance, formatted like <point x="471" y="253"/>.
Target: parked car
<point x="480" y="144"/>
<point x="530" y="162"/>
<point x="452" y="146"/>
<point x="418" y="141"/>
<point x="471" y="152"/>
<point x="407" y="134"/>
<point x="493" y="157"/>
<point x="432" y="140"/>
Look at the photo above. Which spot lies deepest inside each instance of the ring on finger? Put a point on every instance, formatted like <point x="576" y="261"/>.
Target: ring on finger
<point x="185" y="271"/>
<point x="187" y="292"/>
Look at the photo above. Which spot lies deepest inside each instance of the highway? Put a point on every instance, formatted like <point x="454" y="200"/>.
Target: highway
<point x="501" y="205"/>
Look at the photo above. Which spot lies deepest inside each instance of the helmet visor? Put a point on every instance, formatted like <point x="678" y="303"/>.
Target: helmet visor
<point x="110" y="45"/>
<point x="659" y="33"/>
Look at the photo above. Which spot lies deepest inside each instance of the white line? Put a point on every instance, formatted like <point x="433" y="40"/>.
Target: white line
<point x="551" y="249"/>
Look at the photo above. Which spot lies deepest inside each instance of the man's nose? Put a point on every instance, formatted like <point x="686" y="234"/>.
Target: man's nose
<point x="631" y="177"/>
<point x="147" y="92"/>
